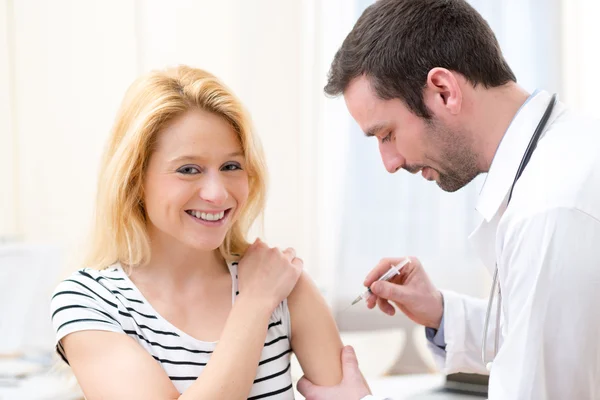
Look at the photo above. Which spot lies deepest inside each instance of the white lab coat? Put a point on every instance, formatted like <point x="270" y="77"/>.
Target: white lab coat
<point x="547" y="248"/>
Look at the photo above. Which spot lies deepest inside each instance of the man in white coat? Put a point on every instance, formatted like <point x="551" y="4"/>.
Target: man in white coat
<point x="427" y="79"/>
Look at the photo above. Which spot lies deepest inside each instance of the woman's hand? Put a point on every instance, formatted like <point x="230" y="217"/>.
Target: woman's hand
<point x="268" y="275"/>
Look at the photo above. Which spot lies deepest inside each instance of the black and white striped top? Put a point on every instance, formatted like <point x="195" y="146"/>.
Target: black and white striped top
<point x="108" y="300"/>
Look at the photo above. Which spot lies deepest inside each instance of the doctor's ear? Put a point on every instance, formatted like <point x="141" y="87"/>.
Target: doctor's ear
<point x="443" y="92"/>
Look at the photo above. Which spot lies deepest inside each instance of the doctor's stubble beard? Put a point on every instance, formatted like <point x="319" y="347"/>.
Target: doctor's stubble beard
<point x="456" y="159"/>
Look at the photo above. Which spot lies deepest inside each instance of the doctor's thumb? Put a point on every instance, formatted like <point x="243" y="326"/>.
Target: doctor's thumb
<point x="305" y="387"/>
<point x="350" y="364"/>
<point x="389" y="291"/>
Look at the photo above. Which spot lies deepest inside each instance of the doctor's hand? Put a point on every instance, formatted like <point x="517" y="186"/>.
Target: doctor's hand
<point x="352" y="387"/>
<point x="411" y="291"/>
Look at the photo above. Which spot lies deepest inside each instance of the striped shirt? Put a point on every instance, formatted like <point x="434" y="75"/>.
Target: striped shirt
<point x="108" y="300"/>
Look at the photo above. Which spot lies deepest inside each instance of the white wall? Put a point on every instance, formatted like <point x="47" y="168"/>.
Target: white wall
<point x="580" y="55"/>
<point x="67" y="64"/>
<point x="8" y="220"/>
<point x="71" y="62"/>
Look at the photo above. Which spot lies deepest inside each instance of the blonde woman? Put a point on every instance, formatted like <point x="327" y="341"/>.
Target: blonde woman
<point x="166" y="308"/>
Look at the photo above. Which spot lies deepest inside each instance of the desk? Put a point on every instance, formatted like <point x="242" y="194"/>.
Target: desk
<point x="401" y="386"/>
<point x="55" y="387"/>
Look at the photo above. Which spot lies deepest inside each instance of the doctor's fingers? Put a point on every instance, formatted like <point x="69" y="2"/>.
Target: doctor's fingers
<point x="371" y="301"/>
<point x="384" y="265"/>
<point x="381" y="268"/>
<point x="385" y="306"/>
<point x="391" y="291"/>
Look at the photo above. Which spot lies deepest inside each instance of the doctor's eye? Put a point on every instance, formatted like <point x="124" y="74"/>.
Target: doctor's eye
<point x="387" y="138"/>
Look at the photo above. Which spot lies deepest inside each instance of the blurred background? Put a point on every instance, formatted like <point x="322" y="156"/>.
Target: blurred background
<point x="65" y="65"/>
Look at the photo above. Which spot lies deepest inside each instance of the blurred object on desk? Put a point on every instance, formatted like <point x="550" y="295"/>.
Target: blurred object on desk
<point x="377" y="351"/>
<point x="38" y="378"/>
<point x="5" y="239"/>
<point x="410" y="359"/>
<point x="28" y="275"/>
<point x="29" y="368"/>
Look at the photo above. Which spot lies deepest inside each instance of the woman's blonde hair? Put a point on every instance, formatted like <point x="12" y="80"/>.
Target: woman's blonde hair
<point x="151" y="102"/>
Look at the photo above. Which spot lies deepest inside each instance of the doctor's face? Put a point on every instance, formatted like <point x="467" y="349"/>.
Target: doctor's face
<point x="407" y="141"/>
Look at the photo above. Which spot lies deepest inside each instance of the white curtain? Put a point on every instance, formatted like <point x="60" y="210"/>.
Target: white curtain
<point x="376" y="214"/>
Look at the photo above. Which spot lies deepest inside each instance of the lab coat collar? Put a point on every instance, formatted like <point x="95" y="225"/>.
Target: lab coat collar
<point x="509" y="154"/>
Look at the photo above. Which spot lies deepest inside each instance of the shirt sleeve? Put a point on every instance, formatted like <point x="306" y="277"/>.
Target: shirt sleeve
<point x="436" y="336"/>
<point x="80" y="303"/>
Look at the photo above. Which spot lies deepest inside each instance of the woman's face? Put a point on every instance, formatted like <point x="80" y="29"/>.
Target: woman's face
<point x="196" y="183"/>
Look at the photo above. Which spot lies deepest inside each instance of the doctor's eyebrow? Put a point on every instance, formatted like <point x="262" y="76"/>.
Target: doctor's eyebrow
<point x="374" y="130"/>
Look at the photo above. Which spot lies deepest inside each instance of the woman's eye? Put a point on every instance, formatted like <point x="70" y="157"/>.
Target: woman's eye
<point x="387" y="138"/>
<point x="231" y="167"/>
<point x="188" y="170"/>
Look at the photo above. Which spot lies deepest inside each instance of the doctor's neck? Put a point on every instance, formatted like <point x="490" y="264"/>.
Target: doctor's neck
<point x="491" y="111"/>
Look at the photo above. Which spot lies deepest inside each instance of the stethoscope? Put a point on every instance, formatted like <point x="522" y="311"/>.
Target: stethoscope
<point x="495" y="285"/>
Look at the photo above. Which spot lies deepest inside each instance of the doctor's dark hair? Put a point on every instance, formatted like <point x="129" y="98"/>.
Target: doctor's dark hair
<point x="395" y="43"/>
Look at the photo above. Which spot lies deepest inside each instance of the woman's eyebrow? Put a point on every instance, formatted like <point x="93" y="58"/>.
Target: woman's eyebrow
<point x="188" y="157"/>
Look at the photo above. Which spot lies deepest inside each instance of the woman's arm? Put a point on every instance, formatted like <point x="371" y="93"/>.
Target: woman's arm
<point x="111" y="365"/>
<point x="315" y="337"/>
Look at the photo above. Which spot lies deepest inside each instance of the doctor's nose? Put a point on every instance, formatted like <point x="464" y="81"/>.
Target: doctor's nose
<point x="213" y="190"/>
<point x="392" y="160"/>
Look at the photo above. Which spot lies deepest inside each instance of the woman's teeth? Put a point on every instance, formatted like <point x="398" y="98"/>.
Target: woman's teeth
<point x="207" y="216"/>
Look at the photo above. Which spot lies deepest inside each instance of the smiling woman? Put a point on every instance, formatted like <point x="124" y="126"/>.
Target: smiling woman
<point x="162" y="129"/>
<point x="198" y="177"/>
<point x="174" y="302"/>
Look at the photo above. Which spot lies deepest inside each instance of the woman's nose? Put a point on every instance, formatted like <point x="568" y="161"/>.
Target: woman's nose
<point x="213" y="190"/>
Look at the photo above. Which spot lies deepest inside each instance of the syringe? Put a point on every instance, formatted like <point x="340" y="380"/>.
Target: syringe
<point x="392" y="272"/>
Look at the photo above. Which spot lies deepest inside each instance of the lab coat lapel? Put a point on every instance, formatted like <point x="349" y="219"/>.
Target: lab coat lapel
<point x="492" y="201"/>
<point x="483" y="240"/>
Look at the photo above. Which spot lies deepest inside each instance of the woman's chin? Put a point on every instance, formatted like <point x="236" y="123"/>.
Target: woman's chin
<point x="204" y="244"/>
